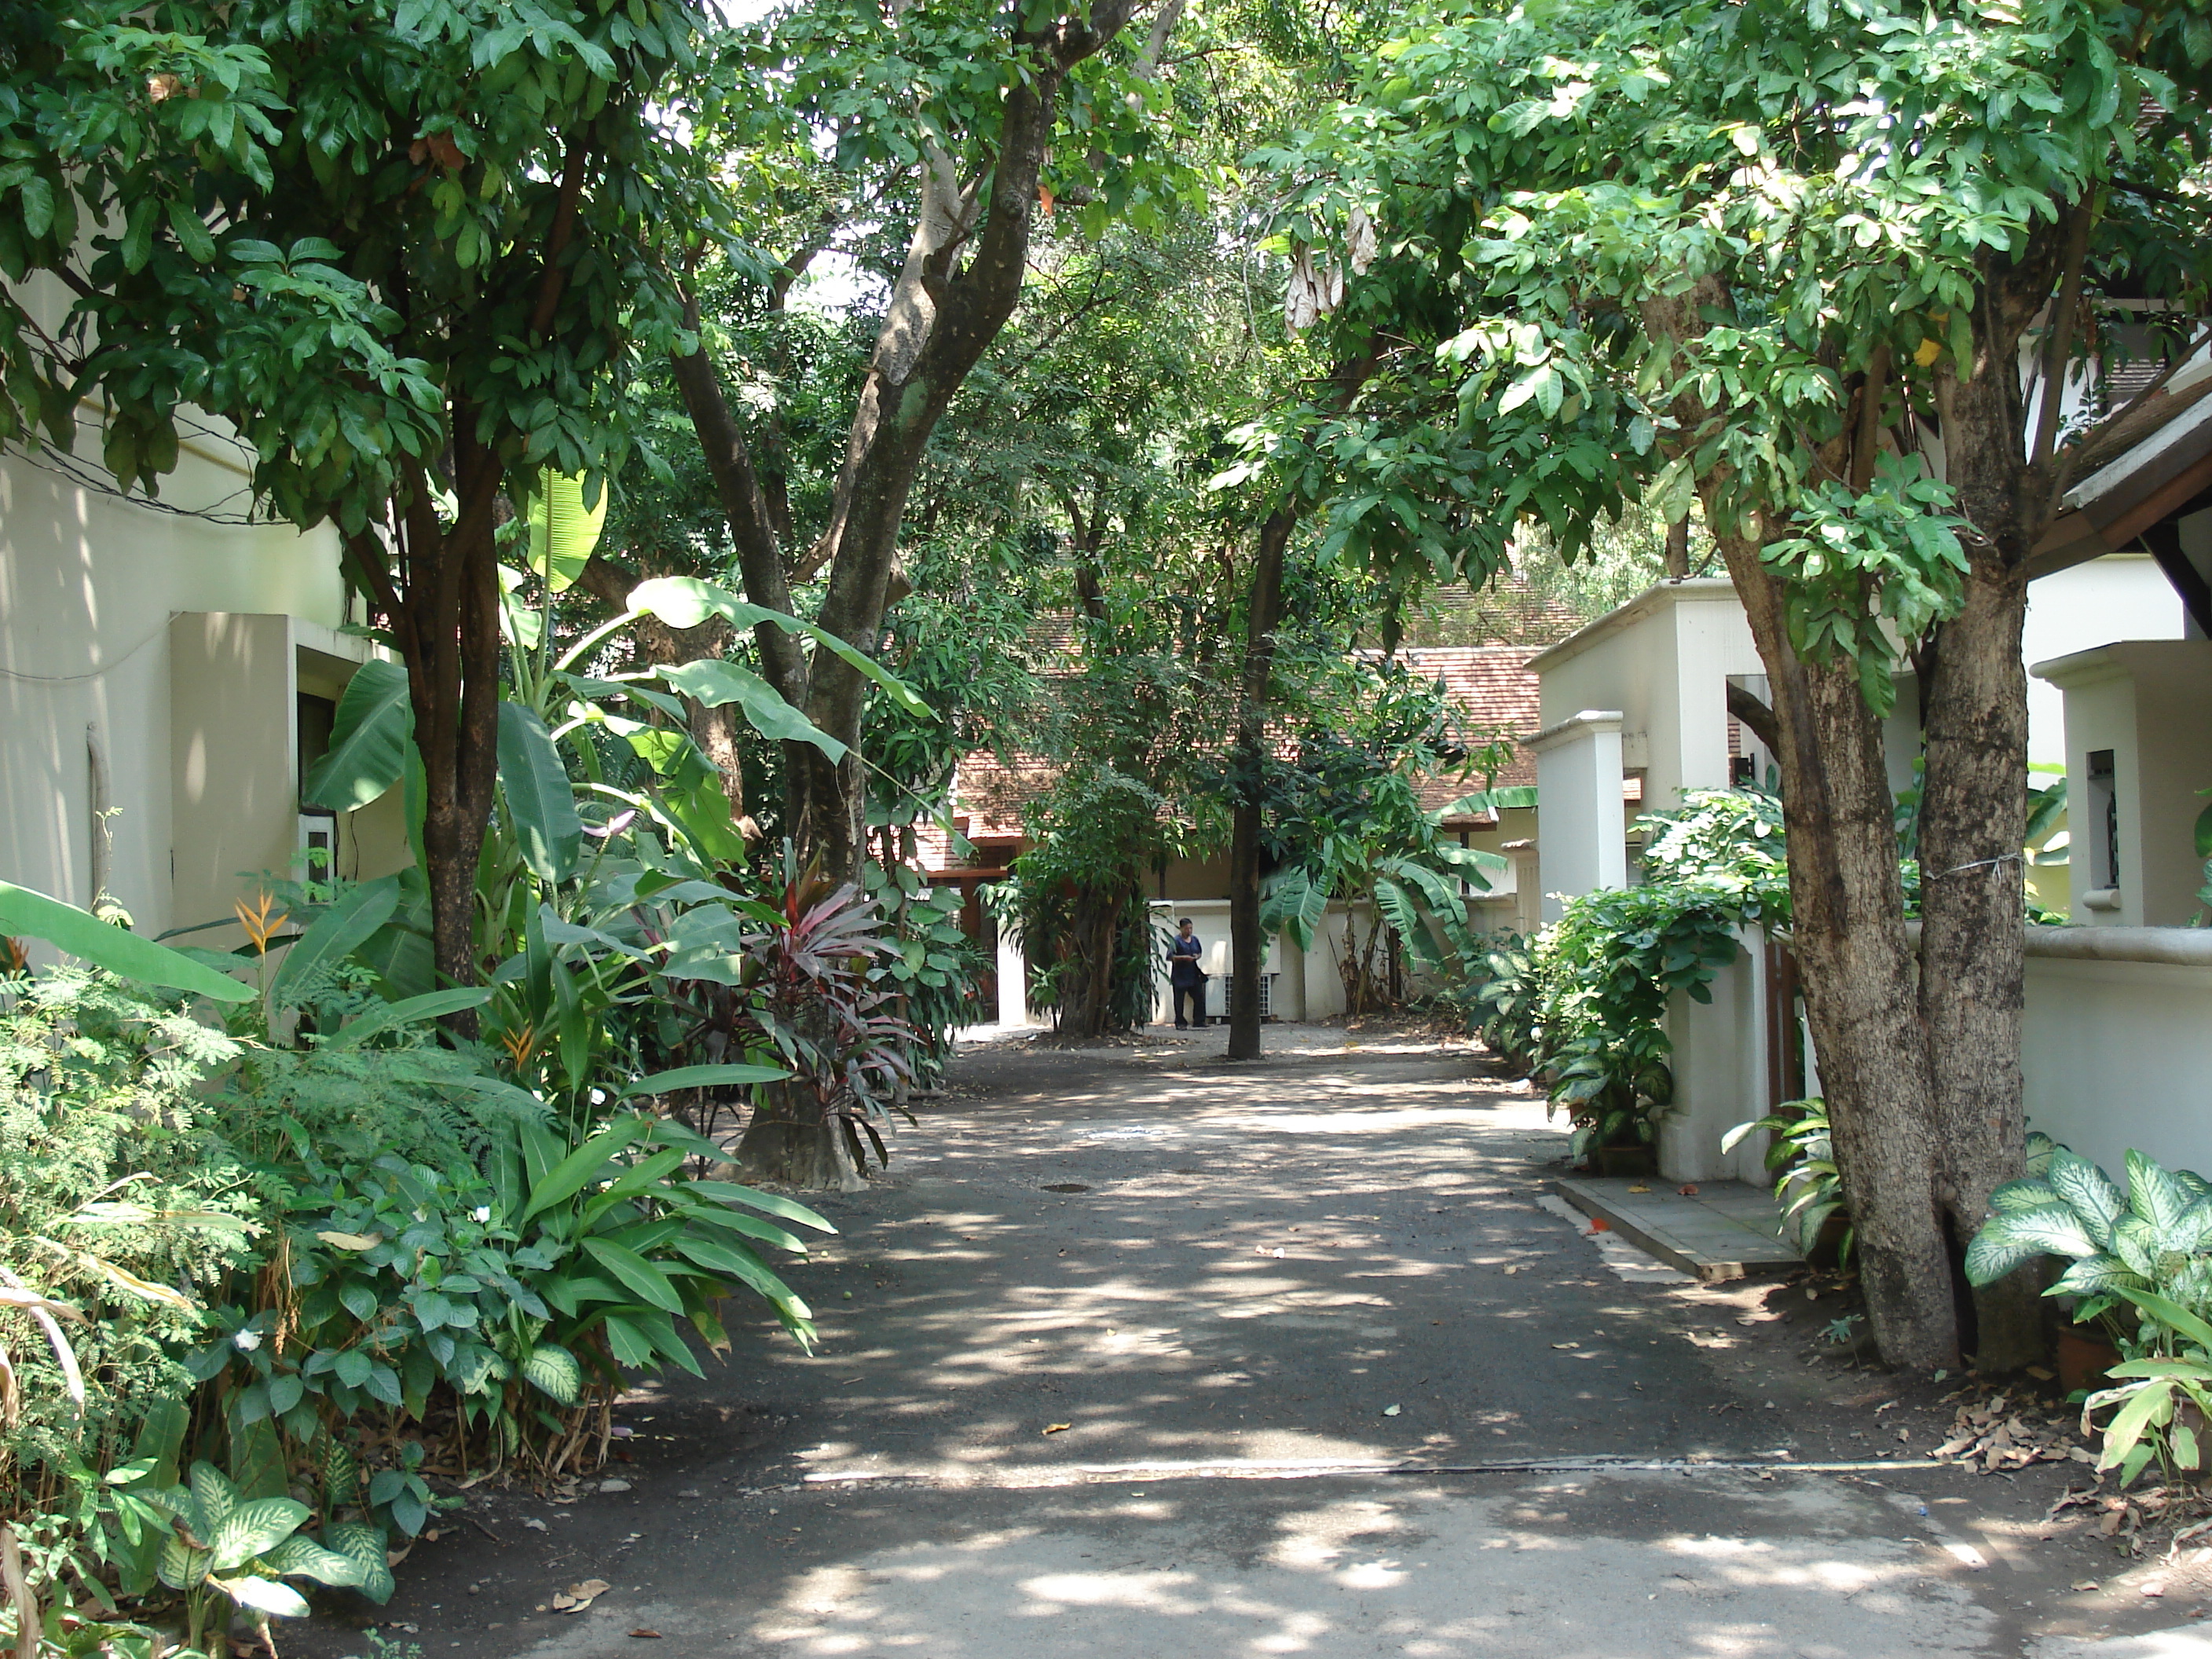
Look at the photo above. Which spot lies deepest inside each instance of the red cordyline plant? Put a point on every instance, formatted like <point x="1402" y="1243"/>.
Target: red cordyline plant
<point x="808" y="984"/>
<point x="827" y="1011"/>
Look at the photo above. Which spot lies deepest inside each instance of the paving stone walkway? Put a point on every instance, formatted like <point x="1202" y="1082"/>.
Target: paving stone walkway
<point x="1714" y="1231"/>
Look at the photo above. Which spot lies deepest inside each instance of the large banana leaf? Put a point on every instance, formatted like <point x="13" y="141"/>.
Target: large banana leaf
<point x="685" y="602"/>
<point x="1295" y="902"/>
<point x="1474" y="864"/>
<point x="433" y="1004"/>
<point x="712" y="683"/>
<point x="563" y="529"/>
<point x="336" y="934"/>
<point x="369" y="740"/>
<point x="82" y="934"/>
<point x="1398" y="909"/>
<point x="541" y="802"/>
<point x="1487" y="801"/>
<point x="704" y="1077"/>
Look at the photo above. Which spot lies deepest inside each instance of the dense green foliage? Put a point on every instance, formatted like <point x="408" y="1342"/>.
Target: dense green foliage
<point x="1348" y="823"/>
<point x="1582" y="1007"/>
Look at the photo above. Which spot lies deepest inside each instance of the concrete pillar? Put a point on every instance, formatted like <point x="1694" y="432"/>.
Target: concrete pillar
<point x="1013" y="983"/>
<point x="1719" y="1064"/>
<point x="1578" y="779"/>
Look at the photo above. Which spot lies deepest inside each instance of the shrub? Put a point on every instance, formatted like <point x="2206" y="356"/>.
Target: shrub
<point x="1582" y="1007"/>
<point x="2140" y="1263"/>
<point x="120" y="1212"/>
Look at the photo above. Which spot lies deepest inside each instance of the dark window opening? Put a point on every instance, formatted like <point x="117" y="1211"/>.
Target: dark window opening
<point x="2103" y="821"/>
<point x="317" y="717"/>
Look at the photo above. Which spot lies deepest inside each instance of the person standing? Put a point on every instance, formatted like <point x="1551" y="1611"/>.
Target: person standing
<point x="1185" y="978"/>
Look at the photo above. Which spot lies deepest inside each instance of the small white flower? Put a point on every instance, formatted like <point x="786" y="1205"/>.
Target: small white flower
<point x="247" y="1341"/>
<point x="482" y="1212"/>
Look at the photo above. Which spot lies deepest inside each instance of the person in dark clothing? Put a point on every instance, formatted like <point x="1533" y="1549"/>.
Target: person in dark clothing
<point x="1185" y="978"/>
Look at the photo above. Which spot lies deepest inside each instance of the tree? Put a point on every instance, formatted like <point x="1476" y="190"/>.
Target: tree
<point x="960" y="123"/>
<point x="1799" y="289"/>
<point x="410" y="251"/>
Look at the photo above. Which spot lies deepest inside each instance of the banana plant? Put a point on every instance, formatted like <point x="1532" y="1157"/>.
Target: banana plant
<point x="1396" y="857"/>
<point x="80" y="934"/>
<point x="228" y="1549"/>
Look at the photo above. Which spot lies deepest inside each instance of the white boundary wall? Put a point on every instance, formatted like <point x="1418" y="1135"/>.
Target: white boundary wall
<point x="2117" y="1044"/>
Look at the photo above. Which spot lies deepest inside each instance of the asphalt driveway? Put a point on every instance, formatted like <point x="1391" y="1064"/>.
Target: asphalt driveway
<point x="1119" y="1361"/>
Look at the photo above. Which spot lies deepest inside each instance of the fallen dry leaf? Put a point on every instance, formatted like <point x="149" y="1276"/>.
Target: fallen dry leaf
<point x="577" y="1597"/>
<point x="2086" y="1584"/>
<point x="1058" y="1428"/>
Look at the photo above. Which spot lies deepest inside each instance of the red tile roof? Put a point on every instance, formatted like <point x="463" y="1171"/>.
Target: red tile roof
<point x="1489" y="685"/>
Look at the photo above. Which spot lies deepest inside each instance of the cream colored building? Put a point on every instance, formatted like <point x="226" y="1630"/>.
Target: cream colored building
<point x="166" y="670"/>
<point x="2117" y="1040"/>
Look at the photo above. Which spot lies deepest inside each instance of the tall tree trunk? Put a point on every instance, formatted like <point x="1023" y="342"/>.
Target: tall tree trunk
<point x="440" y="599"/>
<point x="1248" y="946"/>
<point x="1850" y="941"/>
<point x="760" y="555"/>
<point x="1973" y="812"/>
<point x="1973" y="818"/>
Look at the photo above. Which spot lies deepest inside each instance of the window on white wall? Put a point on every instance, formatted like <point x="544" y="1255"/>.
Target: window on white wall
<point x="2103" y="821"/>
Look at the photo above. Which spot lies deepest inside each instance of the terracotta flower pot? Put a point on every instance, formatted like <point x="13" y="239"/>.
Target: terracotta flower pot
<point x="2084" y="1357"/>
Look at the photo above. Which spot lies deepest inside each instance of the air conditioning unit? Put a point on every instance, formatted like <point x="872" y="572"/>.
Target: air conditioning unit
<point x="1217" y="1011"/>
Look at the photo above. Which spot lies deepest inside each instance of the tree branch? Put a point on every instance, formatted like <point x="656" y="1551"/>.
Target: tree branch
<point x="557" y="235"/>
<point x="2060" y="346"/>
<point x="1868" y="436"/>
<point x="1755" y="717"/>
<point x="729" y="460"/>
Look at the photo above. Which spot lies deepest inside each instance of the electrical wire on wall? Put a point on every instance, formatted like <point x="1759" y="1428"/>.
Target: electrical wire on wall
<point x="87" y="476"/>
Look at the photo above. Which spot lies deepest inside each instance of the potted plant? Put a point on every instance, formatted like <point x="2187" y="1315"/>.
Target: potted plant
<point x="2139" y="1270"/>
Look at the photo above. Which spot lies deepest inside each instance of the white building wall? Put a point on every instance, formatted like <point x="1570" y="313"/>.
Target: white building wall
<point x="2122" y="596"/>
<point x="88" y="585"/>
<point x="2118" y="1054"/>
<point x="1720" y="1072"/>
<point x="1578" y="779"/>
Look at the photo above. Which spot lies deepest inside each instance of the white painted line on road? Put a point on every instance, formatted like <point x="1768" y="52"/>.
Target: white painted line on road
<point x="1026" y="1476"/>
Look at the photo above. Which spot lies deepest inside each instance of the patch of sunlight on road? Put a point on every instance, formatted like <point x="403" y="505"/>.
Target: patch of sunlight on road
<point x="1535" y="1574"/>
